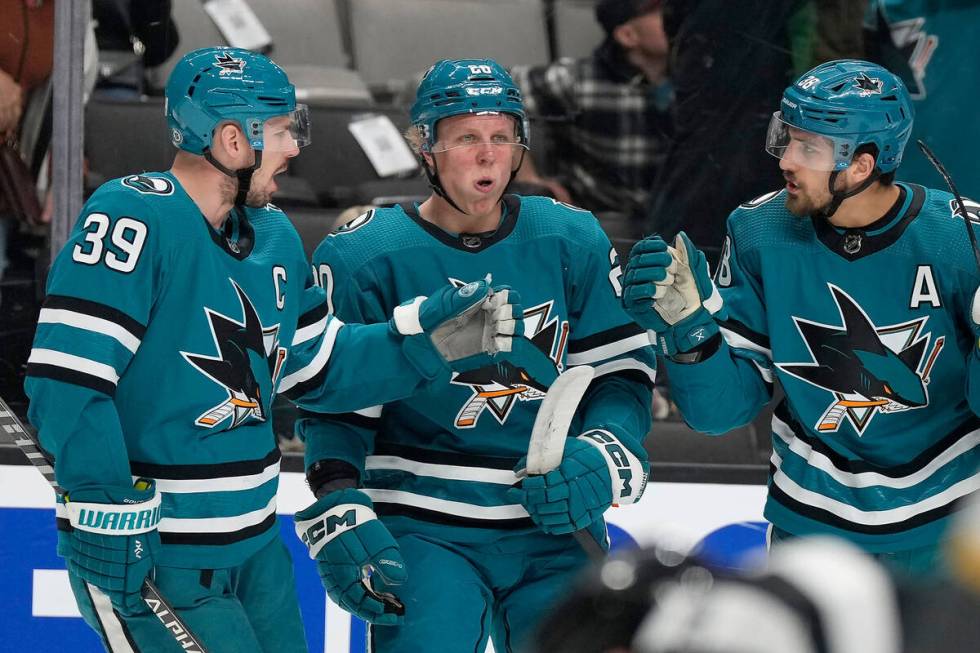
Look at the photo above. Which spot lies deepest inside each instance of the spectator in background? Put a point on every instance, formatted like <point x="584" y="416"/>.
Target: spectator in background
<point x="133" y="35"/>
<point x="932" y="46"/>
<point x="725" y="66"/>
<point x="613" y="106"/>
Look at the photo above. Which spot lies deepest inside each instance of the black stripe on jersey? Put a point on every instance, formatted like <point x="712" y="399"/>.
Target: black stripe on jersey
<point x="829" y="518"/>
<point x="353" y="419"/>
<point x="74" y="377"/>
<point x="212" y="470"/>
<point x="302" y="388"/>
<point x="95" y="309"/>
<point x="313" y="315"/>
<point x="219" y="538"/>
<point x="636" y="376"/>
<point x="467" y="242"/>
<point x="614" y="334"/>
<point x="754" y="337"/>
<point x="858" y="466"/>
<point x="444" y="457"/>
<point x="433" y="516"/>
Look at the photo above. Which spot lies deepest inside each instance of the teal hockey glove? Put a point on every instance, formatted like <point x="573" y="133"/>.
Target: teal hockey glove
<point x="348" y="543"/>
<point x="113" y="540"/>
<point x="669" y="290"/>
<point x="458" y="329"/>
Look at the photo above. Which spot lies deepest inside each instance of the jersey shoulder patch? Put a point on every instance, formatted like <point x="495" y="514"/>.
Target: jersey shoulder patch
<point x="760" y="200"/>
<point x="148" y="184"/>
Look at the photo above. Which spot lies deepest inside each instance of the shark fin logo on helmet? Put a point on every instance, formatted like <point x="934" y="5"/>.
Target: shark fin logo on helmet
<point x="229" y="64"/>
<point x="869" y="369"/>
<point x="237" y="342"/>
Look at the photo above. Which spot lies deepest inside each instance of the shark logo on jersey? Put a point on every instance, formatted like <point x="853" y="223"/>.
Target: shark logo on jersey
<point x="232" y="369"/>
<point x="868" y="369"/>
<point x="149" y="185"/>
<point x="495" y="389"/>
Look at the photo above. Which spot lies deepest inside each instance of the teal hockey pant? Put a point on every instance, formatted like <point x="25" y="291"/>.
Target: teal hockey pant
<point x="251" y="608"/>
<point x="459" y="595"/>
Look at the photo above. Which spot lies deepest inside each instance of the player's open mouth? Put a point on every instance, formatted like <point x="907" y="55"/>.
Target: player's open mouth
<point x="792" y="187"/>
<point x="484" y="185"/>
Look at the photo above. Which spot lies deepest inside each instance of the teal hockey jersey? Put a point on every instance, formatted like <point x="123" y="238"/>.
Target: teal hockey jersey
<point x="161" y="345"/>
<point x="934" y="50"/>
<point x="444" y="458"/>
<point x="868" y="332"/>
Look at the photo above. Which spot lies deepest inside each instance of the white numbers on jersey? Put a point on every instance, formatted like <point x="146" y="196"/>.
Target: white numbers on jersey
<point x="616" y="273"/>
<point x="279" y="275"/>
<point x="924" y="289"/>
<point x="125" y="242"/>
<point x="324" y="278"/>
<point x="724" y="275"/>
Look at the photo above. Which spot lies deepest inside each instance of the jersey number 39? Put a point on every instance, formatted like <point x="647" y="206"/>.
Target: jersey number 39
<point x="122" y="250"/>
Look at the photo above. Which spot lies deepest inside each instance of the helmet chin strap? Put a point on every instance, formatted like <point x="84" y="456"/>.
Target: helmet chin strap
<point x="243" y="175"/>
<point x="838" y="196"/>
<point x="432" y="174"/>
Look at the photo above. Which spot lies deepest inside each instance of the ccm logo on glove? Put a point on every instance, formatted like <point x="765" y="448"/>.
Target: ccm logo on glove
<point x="623" y="465"/>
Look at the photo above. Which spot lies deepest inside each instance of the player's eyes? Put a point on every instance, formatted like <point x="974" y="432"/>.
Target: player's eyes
<point x="467" y="138"/>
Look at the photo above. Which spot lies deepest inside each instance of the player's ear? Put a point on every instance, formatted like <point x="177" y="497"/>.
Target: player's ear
<point x="862" y="165"/>
<point x="626" y="35"/>
<point x="230" y="140"/>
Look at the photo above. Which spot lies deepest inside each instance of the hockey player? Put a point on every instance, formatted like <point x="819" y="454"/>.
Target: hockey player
<point x="469" y="551"/>
<point x="855" y="293"/>
<point x="180" y="305"/>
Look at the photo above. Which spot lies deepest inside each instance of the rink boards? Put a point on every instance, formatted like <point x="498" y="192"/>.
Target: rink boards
<point x="39" y="613"/>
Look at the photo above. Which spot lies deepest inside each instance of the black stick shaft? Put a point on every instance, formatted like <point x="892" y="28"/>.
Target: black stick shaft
<point x="934" y="160"/>
<point x="42" y="460"/>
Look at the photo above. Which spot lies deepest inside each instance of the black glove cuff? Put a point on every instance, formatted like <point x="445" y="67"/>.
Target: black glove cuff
<point x="325" y="476"/>
<point x="705" y="350"/>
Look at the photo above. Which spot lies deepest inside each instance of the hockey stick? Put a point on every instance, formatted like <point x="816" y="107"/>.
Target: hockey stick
<point x="956" y="194"/>
<point x="42" y="460"/>
<point x="547" y="445"/>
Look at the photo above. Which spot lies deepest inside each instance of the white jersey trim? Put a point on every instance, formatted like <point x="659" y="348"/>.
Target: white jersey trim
<point x="626" y="364"/>
<point x="319" y="361"/>
<point x="741" y="342"/>
<point x="74" y="363"/>
<point x="447" y="472"/>
<point x="217" y="524"/>
<point x="457" y="508"/>
<point x="226" y="484"/>
<point x="820" y="461"/>
<point x="310" y="331"/>
<point x="90" y="323"/>
<point x="371" y="411"/>
<point x="871" y="517"/>
<point x="608" y="350"/>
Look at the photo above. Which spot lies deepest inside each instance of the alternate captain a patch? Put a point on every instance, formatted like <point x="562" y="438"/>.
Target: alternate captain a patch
<point x="868" y="369"/>
<point x="496" y="388"/>
<point x="233" y="369"/>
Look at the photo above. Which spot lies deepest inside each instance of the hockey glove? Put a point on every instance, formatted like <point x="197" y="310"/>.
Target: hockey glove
<point x="582" y="487"/>
<point x="113" y="540"/>
<point x="348" y="542"/>
<point x="458" y="328"/>
<point x="668" y="290"/>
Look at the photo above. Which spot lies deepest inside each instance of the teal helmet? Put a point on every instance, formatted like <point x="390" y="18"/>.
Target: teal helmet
<point x="456" y="86"/>
<point x="849" y="103"/>
<point x="214" y="85"/>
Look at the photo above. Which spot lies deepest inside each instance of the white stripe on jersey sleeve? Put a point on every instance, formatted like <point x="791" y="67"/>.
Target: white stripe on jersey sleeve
<point x="310" y="331"/>
<point x="74" y="363"/>
<point x="608" y="350"/>
<point x="89" y="323"/>
<point x="626" y="364"/>
<point x="226" y="484"/>
<point x="741" y="342"/>
<point x="217" y="524"/>
<point x="319" y="360"/>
